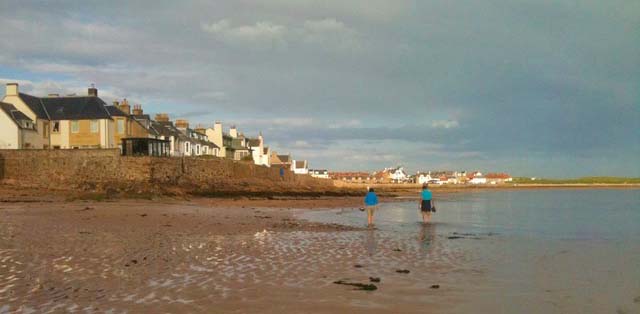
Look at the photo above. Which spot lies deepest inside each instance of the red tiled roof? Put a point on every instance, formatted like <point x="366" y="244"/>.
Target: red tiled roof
<point x="497" y="176"/>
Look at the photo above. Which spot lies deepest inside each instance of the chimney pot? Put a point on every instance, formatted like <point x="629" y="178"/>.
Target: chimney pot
<point x="162" y="117"/>
<point x="182" y="124"/>
<point x="124" y="107"/>
<point x="137" y="110"/>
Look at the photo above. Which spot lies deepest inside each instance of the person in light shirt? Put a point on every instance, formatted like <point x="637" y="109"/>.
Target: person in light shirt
<point x="427" y="205"/>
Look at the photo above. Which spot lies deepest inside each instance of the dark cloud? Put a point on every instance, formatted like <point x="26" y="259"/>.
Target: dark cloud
<point x="532" y="87"/>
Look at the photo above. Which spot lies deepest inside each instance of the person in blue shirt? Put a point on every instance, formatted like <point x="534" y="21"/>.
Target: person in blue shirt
<point x="370" y="203"/>
<point x="427" y="205"/>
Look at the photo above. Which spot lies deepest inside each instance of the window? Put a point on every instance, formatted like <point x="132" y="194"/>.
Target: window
<point x="94" y="126"/>
<point x="120" y="126"/>
<point x="45" y="130"/>
<point x="56" y="127"/>
<point x="75" y="126"/>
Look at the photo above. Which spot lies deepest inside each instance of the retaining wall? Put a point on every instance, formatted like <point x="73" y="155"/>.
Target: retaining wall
<point x="105" y="167"/>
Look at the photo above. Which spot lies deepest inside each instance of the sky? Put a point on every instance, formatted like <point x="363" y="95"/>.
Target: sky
<point x="531" y="87"/>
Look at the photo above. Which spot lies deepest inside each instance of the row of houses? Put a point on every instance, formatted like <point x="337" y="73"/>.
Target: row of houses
<point x="87" y="122"/>
<point x="399" y="175"/>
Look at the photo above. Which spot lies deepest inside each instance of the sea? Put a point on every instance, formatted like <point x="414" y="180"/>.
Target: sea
<point x="511" y="251"/>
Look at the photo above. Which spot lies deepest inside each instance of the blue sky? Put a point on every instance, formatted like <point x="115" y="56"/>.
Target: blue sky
<point x="531" y="87"/>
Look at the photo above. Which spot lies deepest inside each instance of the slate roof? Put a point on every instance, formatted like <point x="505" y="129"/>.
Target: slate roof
<point x="166" y="128"/>
<point x="254" y="142"/>
<point x="35" y="105"/>
<point x="141" y="116"/>
<point x="75" y="108"/>
<point x="115" y="111"/>
<point x="15" y="114"/>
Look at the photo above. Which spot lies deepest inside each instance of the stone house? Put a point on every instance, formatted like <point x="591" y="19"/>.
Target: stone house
<point x="281" y="161"/>
<point x="67" y="122"/>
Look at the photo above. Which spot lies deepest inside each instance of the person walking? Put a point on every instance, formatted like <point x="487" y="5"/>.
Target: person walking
<point x="370" y="203"/>
<point x="427" y="205"/>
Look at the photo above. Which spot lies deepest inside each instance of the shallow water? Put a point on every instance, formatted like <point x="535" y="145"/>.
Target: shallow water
<point x="537" y="251"/>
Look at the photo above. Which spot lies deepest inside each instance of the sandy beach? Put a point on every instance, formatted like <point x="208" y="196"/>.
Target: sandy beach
<point x="199" y="255"/>
<point x="243" y="255"/>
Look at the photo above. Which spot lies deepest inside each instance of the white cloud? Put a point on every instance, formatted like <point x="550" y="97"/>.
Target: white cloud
<point x="328" y="34"/>
<point x="353" y="123"/>
<point x="445" y="124"/>
<point x="262" y="33"/>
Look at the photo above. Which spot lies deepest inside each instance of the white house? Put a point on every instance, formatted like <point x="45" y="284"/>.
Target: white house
<point x="477" y="178"/>
<point x="300" y="167"/>
<point x="17" y="130"/>
<point x="423" y="178"/>
<point x="259" y="152"/>
<point x="397" y="174"/>
<point x="321" y="174"/>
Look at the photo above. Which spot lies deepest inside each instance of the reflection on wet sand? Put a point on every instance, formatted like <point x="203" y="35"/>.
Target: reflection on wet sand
<point x="195" y="273"/>
<point x="427" y="237"/>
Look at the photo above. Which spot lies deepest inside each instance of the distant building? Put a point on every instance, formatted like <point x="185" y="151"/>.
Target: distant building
<point x="498" y="178"/>
<point x="476" y="177"/>
<point x="300" y="167"/>
<point x="355" y="177"/>
<point x="423" y="178"/>
<point x="319" y="173"/>
<point x="283" y="161"/>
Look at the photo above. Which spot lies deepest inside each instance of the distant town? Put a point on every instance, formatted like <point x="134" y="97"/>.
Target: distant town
<point x="399" y="175"/>
<point x="57" y="121"/>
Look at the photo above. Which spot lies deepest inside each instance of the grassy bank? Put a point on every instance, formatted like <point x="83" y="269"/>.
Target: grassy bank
<point x="583" y="180"/>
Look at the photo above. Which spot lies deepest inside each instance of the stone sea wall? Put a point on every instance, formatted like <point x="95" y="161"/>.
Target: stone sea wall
<point x="106" y="169"/>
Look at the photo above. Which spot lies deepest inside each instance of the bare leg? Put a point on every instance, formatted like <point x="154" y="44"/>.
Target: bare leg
<point x="370" y="217"/>
<point x="426" y="216"/>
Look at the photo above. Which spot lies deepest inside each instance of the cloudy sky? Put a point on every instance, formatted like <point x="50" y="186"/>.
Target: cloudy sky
<point x="532" y="87"/>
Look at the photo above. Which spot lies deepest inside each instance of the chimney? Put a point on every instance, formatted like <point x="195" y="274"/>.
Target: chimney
<point x="162" y="117"/>
<point x="124" y="106"/>
<point x="93" y="91"/>
<point x="201" y="129"/>
<point x="116" y="104"/>
<point x="233" y="132"/>
<point x="217" y="126"/>
<point x="182" y="124"/>
<point x="12" y="89"/>
<point x="137" y="110"/>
